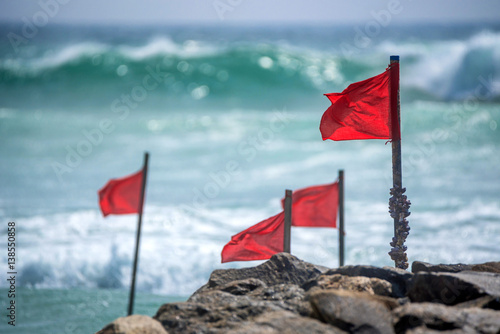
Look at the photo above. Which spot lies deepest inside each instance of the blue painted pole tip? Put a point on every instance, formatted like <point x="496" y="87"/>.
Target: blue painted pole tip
<point x="395" y="58"/>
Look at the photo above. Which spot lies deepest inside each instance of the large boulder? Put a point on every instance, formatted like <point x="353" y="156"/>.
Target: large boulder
<point x="282" y="268"/>
<point x="492" y="267"/>
<point x="418" y="266"/>
<point x="354" y="312"/>
<point x="282" y="322"/>
<point x="398" y="278"/>
<point x="371" y="285"/>
<point x="431" y="317"/>
<point x="134" y="324"/>
<point x="453" y="288"/>
<point x="214" y="312"/>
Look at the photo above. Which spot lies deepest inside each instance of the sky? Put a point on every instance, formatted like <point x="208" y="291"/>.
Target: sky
<point x="246" y="11"/>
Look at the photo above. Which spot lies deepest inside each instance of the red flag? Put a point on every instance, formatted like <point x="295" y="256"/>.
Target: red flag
<point x="259" y="242"/>
<point x="315" y="206"/>
<point x="362" y="110"/>
<point x="122" y="196"/>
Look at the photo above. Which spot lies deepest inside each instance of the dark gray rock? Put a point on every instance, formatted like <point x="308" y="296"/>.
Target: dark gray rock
<point x="282" y="268"/>
<point x="283" y="322"/>
<point x="371" y="285"/>
<point x="491" y="267"/>
<point x="398" y="278"/>
<point x="418" y="266"/>
<point x="212" y="312"/>
<point x="430" y="317"/>
<point x="453" y="288"/>
<point x="289" y="297"/>
<point x="354" y="312"/>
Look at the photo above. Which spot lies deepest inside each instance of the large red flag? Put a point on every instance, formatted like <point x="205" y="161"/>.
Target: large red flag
<point x="315" y="206"/>
<point x="362" y="110"/>
<point x="122" y="196"/>
<point x="259" y="242"/>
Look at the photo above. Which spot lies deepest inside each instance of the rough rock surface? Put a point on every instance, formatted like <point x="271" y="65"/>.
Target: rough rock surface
<point x="134" y="324"/>
<point x="371" y="285"/>
<point x="453" y="288"/>
<point x="398" y="278"/>
<point x="353" y="312"/>
<point x="287" y="295"/>
<point x="438" y="317"/>
<point x="442" y="268"/>
<point x="281" y="268"/>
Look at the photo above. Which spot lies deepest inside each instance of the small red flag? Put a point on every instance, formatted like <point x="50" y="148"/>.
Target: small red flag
<point x="315" y="206"/>
<point x="122" y="196"/>
<point x="362" y="110"/>
<point x="259" y="242"/>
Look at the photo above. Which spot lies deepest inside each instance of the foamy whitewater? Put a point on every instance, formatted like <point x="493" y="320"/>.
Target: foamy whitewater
<point x="230" y="118"/>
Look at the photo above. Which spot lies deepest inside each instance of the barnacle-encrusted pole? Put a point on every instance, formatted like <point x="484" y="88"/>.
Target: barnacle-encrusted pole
<point x="399" y="207"/>
<point x="398" y="203"/>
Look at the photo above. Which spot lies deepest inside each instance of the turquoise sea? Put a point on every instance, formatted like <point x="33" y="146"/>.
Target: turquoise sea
<point x="80" y="105"/>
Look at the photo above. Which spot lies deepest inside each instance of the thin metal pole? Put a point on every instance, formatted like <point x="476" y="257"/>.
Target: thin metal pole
<point x="288" y="221"/>
<point x="341" y="217"/>
<point x="138" y="237"/>
<point x="398" y="203"/>
<point x="396" y="143"/>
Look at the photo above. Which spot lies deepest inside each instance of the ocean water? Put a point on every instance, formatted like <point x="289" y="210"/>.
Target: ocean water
<point x="230" y="117"/>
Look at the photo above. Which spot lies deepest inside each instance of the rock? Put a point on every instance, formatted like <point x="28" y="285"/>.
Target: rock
<point x="453" y="288"/>
<point x="492" y="267"/>
<point x="281" y="268"/>
<point x="398" y="278"/>
<point x="214" y="312"/>
<point x="430" y="317"/>
<point x="354" y="312"/>
<point x="134" y="324"/>
<point x="242" y="287"/>
<point x="371" y="285"/>
<point x="418" y="266"/>
<point x="490" y="302"/>
<point x="283" y="322"/>
<point x="289" y="297"/>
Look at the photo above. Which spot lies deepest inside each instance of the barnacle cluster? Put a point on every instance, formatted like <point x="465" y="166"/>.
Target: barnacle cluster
<point x="399" y="208"/>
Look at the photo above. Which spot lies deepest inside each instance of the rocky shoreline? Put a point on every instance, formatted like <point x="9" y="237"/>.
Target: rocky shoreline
<point x="288" y="295"/>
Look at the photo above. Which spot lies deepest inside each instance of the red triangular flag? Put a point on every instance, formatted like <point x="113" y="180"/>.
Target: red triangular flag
<point x="362" y="110"/>
<point x="259" y="242"/>
<point x="121" y="196"/>
<point x="315" y="206"/>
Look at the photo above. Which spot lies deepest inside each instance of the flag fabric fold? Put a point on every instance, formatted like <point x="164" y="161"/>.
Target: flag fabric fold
<point x="315" y="206"/>
<point x="122" y="195"/>
<point x="258" y="242"/>
<point x="362" y="110"/>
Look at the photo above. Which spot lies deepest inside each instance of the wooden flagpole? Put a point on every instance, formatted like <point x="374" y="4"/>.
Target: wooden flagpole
<point x="398" y="203"/>
<point x="138" y="237"/>
<point x="288" y="221"/>
<point x="341" y="217"/>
